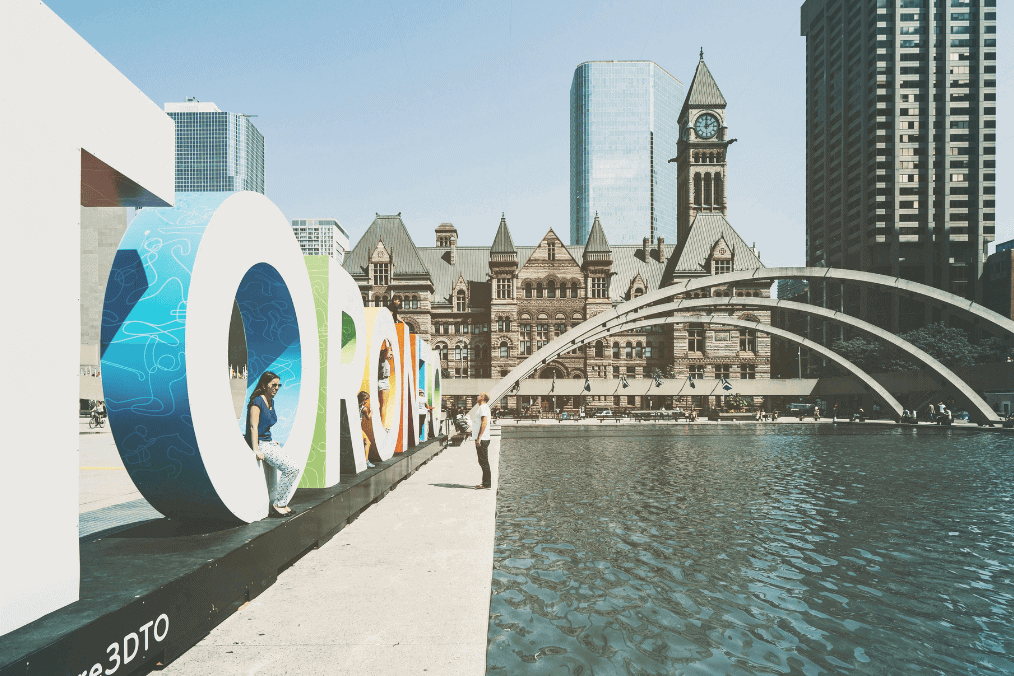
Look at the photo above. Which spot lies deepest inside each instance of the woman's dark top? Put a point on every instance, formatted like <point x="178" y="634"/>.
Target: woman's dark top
<point x="267" y="418"/>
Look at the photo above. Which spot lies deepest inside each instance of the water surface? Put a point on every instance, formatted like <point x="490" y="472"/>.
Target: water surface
<point x="753" y="550"/>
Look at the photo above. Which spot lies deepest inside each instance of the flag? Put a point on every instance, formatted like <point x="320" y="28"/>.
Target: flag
<point x="690" y="379"/>
<point x="553" y="388"/>
<point x="623" y="380"/>
<point x="587" y="384"/>
<point x="658" y="383"/>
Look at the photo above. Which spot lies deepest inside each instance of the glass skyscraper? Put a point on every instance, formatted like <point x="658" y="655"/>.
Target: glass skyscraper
<point x="623" y="130"/>
<point x="216" y="151"/>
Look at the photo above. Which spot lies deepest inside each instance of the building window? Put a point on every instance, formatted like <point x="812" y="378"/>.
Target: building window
<point x="538" y="290"/>
<point x="461" y="301"/>
<point x="541" y="335"/>
<point x="528" y="289"/>
<point x="628" y="351"/>
<point x="573" y="290"/>
<point x="638" y="293"/>
<point x="747" y="340"/>
<point x="616" y="350"/>
<point x="598" y="348"/>
<point x="442" y="349"/>
<point x="747" y="372"/>
<point x="504" y="289"/>
<point x="381" y="274"/>
<point x="695" y="338"/>
<point x="559" y="330"/>
<point x="721" y="267"/>
<point x="505" y="350"/>
<point x="600" y="287"/>
<point x="526" y="339"/>
<point x="697" y="372"/>
<point x="639" y="351"/>
<point x="551" y="246"/>
<point x="457" y="353"/>
<point x="415" y="302"/>
<point x="616" y="371"/>
<point x="551" y="289"/>
<point x="647" y="351"/>
<point x="722" y="371"/>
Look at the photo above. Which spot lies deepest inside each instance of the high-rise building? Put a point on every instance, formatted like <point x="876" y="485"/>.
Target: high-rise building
<point x="321" y="237"/>
<point x="216" y="151"/>
<point x="623" y="130"/>
<point x="901" y="143"/>
<point x="998" y="280"/>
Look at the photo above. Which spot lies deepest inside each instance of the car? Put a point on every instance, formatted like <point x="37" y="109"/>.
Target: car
<point x="605" y="411"/>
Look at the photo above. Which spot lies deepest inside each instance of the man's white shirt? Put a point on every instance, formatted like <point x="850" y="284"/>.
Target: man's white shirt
<point x="482" y="412"/>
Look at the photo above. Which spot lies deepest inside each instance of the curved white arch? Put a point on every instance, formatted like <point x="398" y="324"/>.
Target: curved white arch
<point x="980" y="409"/>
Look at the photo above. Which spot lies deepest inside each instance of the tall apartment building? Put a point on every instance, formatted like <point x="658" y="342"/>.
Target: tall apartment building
<point x="624" y="127"/>
<point x="321" y="237"/>
<point x="216" y="151"/>
<point x="901" y="143"/>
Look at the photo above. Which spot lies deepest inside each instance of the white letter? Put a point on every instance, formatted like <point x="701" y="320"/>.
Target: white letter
<point x="161" y="617"/>
<point x="127" y="655"/>
<point x="144" y="630"/>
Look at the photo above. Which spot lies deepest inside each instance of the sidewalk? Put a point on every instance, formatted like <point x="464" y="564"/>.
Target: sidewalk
<point x="403" y="589"/>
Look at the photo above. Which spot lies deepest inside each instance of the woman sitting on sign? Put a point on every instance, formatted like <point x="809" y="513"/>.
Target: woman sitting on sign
<point x="260" y="417"/>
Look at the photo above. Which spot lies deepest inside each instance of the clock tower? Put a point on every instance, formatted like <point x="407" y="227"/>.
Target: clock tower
<point x="701" y="153"/>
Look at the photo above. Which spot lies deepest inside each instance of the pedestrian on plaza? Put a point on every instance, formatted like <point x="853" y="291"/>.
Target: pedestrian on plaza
<point x="816" y="413"/>
<point x="260" y="417"/>
<point x="481" y="435"/>
<point x="834" y="414"/>
<point x="366" y="424"/>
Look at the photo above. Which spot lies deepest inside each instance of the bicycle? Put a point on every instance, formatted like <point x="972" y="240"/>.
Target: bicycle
<point x="96" y="420"/>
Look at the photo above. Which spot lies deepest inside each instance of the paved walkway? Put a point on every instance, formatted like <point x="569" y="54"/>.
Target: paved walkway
<point x="403" y="589"/>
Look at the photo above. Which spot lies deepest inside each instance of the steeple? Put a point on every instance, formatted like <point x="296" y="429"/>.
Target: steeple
<point x="597" y="247"/>
<point x="703" y="90"/>
<point x="502" y="243"/>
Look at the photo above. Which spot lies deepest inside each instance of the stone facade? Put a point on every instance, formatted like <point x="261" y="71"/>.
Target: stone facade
<point x="485" y="309"/>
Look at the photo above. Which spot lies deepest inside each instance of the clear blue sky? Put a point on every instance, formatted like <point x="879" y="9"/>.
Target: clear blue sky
<point x="457" y="111"/>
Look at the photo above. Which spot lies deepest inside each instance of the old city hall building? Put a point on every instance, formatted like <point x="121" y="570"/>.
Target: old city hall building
<point x="485" y="309"/>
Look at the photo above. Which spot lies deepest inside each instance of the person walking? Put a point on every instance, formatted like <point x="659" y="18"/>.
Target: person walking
<point x="481" y="435"/>
<point x="260" y="417"/>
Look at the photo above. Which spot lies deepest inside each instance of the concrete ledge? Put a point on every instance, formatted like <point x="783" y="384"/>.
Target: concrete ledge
<point x="196" y="576"/>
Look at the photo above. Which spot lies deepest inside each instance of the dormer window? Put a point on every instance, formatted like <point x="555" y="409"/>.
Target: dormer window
<point x="720" y="267"/>
<point x="460" y="301"/>
<point x="551" y="247"/>
<point x="381" y="274"/>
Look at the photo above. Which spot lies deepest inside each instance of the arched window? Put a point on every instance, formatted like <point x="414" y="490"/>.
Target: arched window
<point x="616" y="350"/>
<point x="415" y="302"/>
<point x="718" y="190"/>
<point x="528" y="289"/>
<point x="461" y="301"/>
<point x="638" y="292"/>
<point x="551" y="289"/>
<point x="366" y="301"/>
<point x="505" y="350"/>
<point x="573" y="289"/>
<point x="598" y="348"/>
<point x="457" y="353"/>
<point x="385" y="300"/>
<point x="628" y="351"/>
<point x="707" y="190"/>
<point x="442" y="351"/>
<point x="697" y="156"/>
<point x="639" y="351"/>
<point x="538" y="290"/>
<point x="697" y="189"/>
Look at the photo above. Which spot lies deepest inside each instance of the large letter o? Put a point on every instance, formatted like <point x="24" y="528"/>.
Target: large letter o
<point x="165" y="350"/>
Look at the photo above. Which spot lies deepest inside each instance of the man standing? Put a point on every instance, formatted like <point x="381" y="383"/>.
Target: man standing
<point x="481" y="432"/>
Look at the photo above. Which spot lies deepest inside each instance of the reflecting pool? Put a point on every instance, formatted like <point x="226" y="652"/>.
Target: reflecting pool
<point x="752" y="549"/>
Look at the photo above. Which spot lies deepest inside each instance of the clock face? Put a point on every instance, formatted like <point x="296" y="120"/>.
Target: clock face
<point x="706" y="126"/>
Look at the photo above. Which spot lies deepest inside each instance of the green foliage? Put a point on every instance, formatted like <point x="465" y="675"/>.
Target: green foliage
<point x="950" y="346"/>
<point x="668" y="372"/>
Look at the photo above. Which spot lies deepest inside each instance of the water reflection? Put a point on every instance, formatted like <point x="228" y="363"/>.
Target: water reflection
<point x="753" y="550"/>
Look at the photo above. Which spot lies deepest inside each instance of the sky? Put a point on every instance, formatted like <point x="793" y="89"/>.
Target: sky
<point x="459" y="111"/>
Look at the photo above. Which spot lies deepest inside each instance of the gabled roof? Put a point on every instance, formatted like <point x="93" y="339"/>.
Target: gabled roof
<point x="703" y="91"/>
<point x="503" y="243"/>
<point x="396" y="239"/>
<point x="705" y="231"/>
<point x="597" y="242"/>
